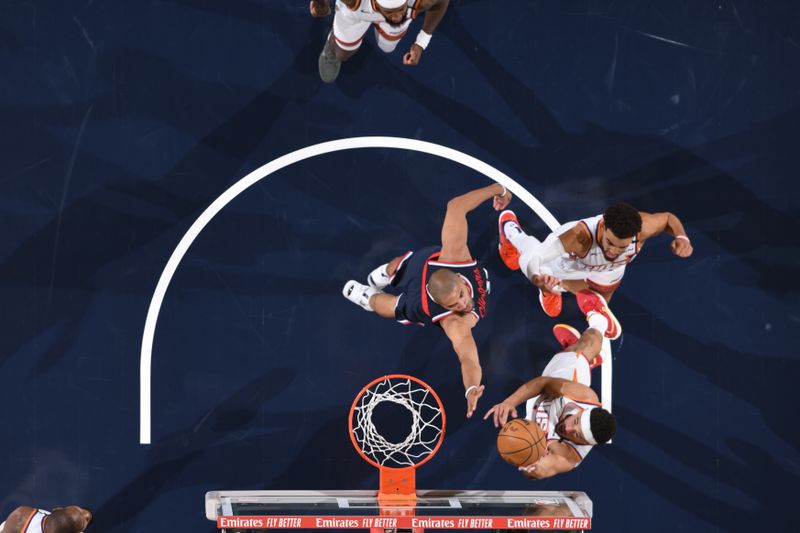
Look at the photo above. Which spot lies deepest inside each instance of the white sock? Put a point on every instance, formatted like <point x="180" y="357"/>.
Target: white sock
<point x="522" y="241"/>
<point x="597" y="321"/>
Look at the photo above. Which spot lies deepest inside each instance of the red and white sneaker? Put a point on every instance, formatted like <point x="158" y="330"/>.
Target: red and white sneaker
<point x="589" y="301"/>
<point x="566" y="335"/>
<point x="551" y="303"/>
<point x="508" y="252"/>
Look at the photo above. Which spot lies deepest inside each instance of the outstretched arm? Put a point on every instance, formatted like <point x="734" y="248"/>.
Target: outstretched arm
<point x="433" y="16"/>
<point x="455" y="228"/>
<point x="459" y="331"/>
<point x="657" y="223"/>
<point x="548" y="386"/>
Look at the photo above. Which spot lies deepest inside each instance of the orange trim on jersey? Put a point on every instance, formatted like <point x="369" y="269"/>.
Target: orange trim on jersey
<point x="415" y="9"/>
<point x="356" y="5"/>
<point x="28" y="521"/>
<point x="600" y="224"/>
<point x="591" y="238"/>
<point x="575" y="375"/>
<point x="581" y="401"/>
<point x="424" y="291"/>
<point x="44" y="522"/>
<point x="388" y="36"/>
<point x="345" y="43"/>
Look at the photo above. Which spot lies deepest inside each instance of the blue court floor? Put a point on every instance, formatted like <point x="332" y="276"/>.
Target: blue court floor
<point x="121" y="122"/>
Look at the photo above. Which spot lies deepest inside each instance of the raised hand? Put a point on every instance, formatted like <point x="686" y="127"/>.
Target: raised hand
<point x="500" y="413"/>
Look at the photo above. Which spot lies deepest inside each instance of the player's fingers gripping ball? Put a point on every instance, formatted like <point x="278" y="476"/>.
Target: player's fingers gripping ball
<point x="521" y="442"/>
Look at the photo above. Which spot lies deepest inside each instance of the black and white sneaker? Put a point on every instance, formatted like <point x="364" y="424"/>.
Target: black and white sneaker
<point x="359" y="293"/>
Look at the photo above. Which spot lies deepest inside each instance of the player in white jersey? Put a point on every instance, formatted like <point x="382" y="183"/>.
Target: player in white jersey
<point x="561" y="401"/>
<point x="591" y="253"/>
<point x="24" y="519"/>
<point x="390" y="18"/>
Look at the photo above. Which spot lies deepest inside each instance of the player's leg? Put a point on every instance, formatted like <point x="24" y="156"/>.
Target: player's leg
<point x="574" y="285"/>
<point x="387" y="37"/>
<point x="385" y="274"/>
<point x="514" y="242"/>
<point x="605" y="283"/>
<point x="590" y="342"/>
<point x="343" y="41"/>
<point x="570" y="339"/>
<point x="383" y="304"/>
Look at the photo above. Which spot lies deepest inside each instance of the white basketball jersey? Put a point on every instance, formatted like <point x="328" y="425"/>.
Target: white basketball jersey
<point x="594" y="262"/>
<point x="547" y="412"/>
<point x="368" y="12"/>
<point x="35" y="522"/>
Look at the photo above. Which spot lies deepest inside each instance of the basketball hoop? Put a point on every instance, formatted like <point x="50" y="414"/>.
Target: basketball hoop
<point x="397" y="461"/>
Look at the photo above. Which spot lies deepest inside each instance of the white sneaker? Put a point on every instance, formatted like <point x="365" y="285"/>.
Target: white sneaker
<point x="359" y="293"/>
<point x="378" y="278"/>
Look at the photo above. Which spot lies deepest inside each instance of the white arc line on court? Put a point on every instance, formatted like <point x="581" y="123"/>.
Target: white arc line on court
<point x="400" y="143"/>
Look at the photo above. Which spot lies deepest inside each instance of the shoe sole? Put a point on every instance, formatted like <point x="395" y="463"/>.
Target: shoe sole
<point x="606" y="311"/>
<point x="500" y="222"/>
<point x="328" y="68"/>
<point x="569" y="328"/>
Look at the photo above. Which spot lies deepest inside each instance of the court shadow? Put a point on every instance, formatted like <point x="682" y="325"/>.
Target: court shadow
<point x="170" y="459"/>
<point x="737" y="379"/>
<point x="754" y="473"/>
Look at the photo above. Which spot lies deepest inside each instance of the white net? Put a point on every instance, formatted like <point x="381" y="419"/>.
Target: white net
<point x="425" y="429"/>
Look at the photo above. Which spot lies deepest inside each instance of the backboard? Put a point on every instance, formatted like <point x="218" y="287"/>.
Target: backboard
<point x="431" y="510"/>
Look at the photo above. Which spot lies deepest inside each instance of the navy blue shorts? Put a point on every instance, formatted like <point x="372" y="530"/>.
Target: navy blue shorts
<point x="407" y="284"/>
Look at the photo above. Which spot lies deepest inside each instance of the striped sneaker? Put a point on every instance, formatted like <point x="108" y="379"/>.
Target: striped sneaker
<point x="591" y="301"/>
<point x="551" y="303"/>
<point x="566" y="335"/>
<point x="508" y="252"/>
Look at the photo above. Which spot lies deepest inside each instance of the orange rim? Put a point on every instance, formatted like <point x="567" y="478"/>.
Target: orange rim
<point x="384" y="378"/>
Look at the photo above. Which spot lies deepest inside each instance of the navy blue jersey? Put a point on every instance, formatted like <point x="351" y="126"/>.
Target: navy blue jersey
<point x="415" y="305"/>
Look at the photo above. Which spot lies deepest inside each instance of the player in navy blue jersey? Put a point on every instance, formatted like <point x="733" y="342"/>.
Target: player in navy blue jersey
<point x="439" y="285"/>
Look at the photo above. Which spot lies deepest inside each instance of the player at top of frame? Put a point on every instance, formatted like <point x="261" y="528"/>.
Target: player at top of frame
<point x="441" y="285"/>
<point x="591" y="253"/>
<point x="390" y="18"/>
<point x="561" y="400"/>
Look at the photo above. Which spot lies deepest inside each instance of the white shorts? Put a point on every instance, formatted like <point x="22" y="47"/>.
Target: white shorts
<point x="571" y="366"/>
<point x="350" y="26"/>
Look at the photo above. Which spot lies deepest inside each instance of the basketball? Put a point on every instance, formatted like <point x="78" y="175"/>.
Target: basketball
<point x="521" y="442"/>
